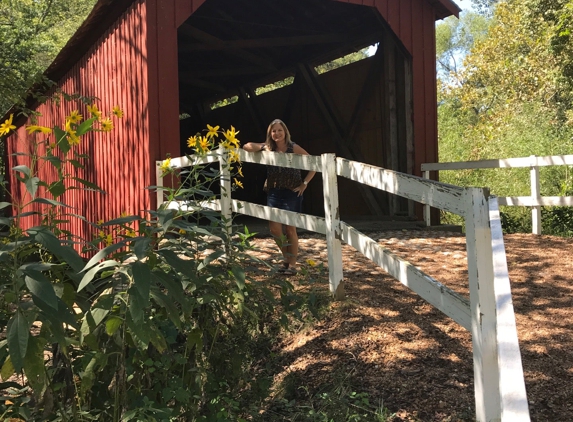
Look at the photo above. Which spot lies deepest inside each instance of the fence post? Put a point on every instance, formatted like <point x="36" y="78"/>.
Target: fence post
<point x="333" y="229"/>
<point x="482" y="306"/>
<point x="426" y="175"/>
<point x="225" y="202"/>
<point x="535" y="195"/>
<point x="159" y="183"/>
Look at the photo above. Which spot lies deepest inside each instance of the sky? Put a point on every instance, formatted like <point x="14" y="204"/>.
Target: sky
<point x="464" y="4"/>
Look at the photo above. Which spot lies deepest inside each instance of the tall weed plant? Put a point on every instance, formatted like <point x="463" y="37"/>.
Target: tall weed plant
<point x="153" y="319"/>
<point x="530" y="130"/>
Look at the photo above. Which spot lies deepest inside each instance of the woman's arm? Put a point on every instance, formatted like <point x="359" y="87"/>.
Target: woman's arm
<point x="254" y="146"/>
<point x="300" y="150"/>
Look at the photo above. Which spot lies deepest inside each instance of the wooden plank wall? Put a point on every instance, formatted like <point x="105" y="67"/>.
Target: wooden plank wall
<point x="413" y="21"/>
<point x="114" y="70"/>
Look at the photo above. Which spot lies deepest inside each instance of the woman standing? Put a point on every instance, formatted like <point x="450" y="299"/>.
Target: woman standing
<point x="284" y="187"/>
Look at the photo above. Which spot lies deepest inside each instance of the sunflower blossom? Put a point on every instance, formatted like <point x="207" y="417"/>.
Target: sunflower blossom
<point x="75" y="117"/>
<point x="234" y="157"/>
<point x="192" y="142"/>
<point x="238" y="183"/>
<point x="117" y="112"/>
<point x="35" y="128"/>
<point x="311" y="262"/>
<point x="166" y="165"/>
<point x="213" y="131"/>
<point x="7" y="126"/>
<point x="230" y="135"/>
<point x="240" y="171"/>
<point x="73" y="139"/>
<point x="94" y="111"/>
<point x="204" y="143"/>
<point x="106" y="125"/>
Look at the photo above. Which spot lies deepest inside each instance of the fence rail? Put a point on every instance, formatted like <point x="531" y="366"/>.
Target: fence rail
<point x="535" y="200"/>
<point x="488" y="312"/>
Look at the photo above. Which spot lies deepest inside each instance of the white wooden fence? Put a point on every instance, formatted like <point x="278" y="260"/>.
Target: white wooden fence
<point x="488" y="312"/>
<point x="535" y="201"/>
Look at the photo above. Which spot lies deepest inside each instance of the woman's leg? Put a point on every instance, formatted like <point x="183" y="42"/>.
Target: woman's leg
<point x="292" y="246"/>
<point x="276" y="230"/>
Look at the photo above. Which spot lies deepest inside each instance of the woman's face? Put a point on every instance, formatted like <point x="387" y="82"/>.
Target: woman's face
<point x="277" y="132"/>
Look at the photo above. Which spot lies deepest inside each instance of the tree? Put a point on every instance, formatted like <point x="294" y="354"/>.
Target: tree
<point x="32" y="32"/>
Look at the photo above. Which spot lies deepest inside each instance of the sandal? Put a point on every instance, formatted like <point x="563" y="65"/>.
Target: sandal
<point x="286" y="270"/>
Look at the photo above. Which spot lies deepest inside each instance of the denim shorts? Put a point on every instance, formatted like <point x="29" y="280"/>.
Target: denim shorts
<point x="285" y="199"/>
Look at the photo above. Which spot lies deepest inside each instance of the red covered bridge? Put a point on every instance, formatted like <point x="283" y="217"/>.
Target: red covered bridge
<point x="167" y="62"/>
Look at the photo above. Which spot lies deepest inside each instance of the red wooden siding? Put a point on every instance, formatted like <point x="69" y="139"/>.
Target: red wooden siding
<point x="413" y="22"/>
<point x="115" y="71"/>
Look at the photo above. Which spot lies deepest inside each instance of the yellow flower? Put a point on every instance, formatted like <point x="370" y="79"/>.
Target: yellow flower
<point x="123" y="214"/>
<point x="108" y="240"/>
<point x="99" y="222"/>
<point x="192" y="142"/>
<point x="181" y="231"/>
<point x="166" y="165"/>
<point x="36" y="128"/>
<point x="212" y="131"/>
<point x="74" y="117"/>
<point x="227" y="145"/>
<point x="73" y="139"/>
<point x="52" y="145"/>
<point x="101" y="234"/>
<point x="117" y="112"/>
<point x="238" y="183"/>
<point x="129" y="233"/>
<point x="94" y="111"/>
<point x="7" y="126"/>
<point x="106" y="125"/>
<point x="234" y="157"/>
<point x="204" y="143"/>
<point x="240" y="171"/>
<point x="311" y="262"/>
<point x="231" y="134"/>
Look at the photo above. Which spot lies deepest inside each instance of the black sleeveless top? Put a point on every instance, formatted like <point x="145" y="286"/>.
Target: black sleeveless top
<point x="283" y="177"/>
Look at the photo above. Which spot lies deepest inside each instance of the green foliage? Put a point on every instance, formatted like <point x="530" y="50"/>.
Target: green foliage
<point x="513" y="100"/>
<point x="161" y="323"/>
<point x="32" y="32"/>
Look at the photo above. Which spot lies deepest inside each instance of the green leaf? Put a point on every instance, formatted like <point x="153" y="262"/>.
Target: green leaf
<point x="32" y="186"/>
<point x="88" y="277"/>
<point x="65" y="253"/>
<point x="141" y="246"/>
<point x="88" y="184"/>
<point x="112" y="325"/>
<point x="210" y="258"/>
<point x="139" y="332"/>
<point x="121" y="220"/>
<point x="105" y="252"/>
<point x="239" y="274"/>
<point x="18" y="334"/>
<point x="57" y="188"/>
<point x="157" y="338"/>
<point x="165" y="218"/>
<point x="185" y="266"/>
<point x="85" y="126"/>
<point x="41" y="287"/>
<point x="23" y="169"/>
<point x="62" y="140"/>
<point x="142" y="281"/>
<point x="48" y="201"/>
<point x="4" y="205"/>
<point x="34" y="366"/>
<point x="164" y="302"/>
<point x="7" y="369"/>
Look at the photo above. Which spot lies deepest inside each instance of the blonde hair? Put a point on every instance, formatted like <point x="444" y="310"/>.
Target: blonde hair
<point x="270" y="142"/>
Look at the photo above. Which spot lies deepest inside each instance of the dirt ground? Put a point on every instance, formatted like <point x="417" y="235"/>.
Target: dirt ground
<point x="415" y="360"/>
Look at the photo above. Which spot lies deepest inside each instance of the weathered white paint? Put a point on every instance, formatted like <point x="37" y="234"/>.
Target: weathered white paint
<point x="535" y="201"/>
<point x="535" y="194"/>
<point x="333" y="230"/>
<point x="225" y="181"/>
<point x="552" y="160"/>
<point x="302" y="162"/>
<point x="499" y="386"/>
<point x="446" y="300"/>
<point x="439" y="195"/>
<point x="514" y="406"/>
<point x="483" y="307"/>
<point x="306" y="221"/>
<point x="528" y="201"/>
